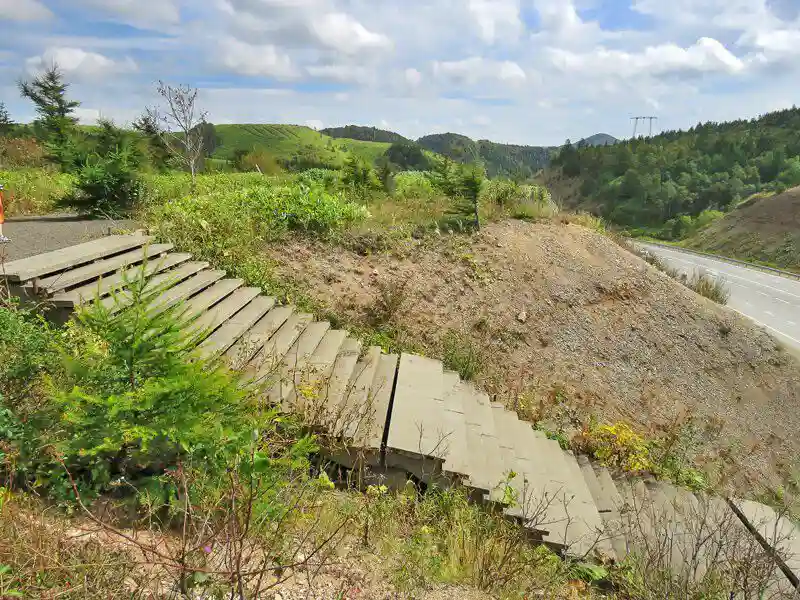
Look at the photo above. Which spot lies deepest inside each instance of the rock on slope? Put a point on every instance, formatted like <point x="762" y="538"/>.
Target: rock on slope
<point x="564" y="314"/>
<point x="766" y="229"/>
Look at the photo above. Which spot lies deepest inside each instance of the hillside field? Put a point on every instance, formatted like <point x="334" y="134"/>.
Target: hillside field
<point x="287" y="141"/>
<point x="764" y="228"/>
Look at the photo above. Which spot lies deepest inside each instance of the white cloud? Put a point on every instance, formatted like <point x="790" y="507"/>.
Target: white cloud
<point x="136" y="12"/>
<point x="255" y="60"/>
<point x="412" y="77"/>
<point x="495" y="18"/>
<point x="24" y="10"/>
<point x="342" y="32"/>
<point x="315" y="124"/>
<point x="476" y="69"/>
<point x="80" y="64"/>
<point x="707" y="55"/>
<point x="342" y="73"/>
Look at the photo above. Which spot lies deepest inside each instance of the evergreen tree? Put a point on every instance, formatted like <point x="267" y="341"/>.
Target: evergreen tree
<point x="6" y="124"/>
<point x="48" y="92"/>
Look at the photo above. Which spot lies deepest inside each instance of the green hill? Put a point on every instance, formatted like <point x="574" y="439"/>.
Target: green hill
<point x="500" y="159"/>
<point x="650" y="182"/>
<point x="293" y="145"/>
<point x="364" y="134"/>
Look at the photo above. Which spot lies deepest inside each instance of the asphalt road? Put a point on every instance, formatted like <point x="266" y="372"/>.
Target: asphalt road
<point x="35" y="235"/>
<point x="770" y="300"/>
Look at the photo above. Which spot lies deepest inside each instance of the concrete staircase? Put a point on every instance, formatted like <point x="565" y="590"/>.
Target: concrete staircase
<point x="404" y="416"/>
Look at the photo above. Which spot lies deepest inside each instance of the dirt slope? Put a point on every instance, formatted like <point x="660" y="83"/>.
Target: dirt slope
<point x="767" y="229"/>
<point x="564" y="315"/>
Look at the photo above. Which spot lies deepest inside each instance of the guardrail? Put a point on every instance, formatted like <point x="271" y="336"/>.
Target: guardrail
<point x="728" y="259"/>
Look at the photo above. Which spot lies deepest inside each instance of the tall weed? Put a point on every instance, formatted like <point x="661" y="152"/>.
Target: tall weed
<point x="34" y="191"/>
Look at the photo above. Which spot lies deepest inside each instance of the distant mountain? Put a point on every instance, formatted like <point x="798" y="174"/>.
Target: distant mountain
<point x="599" y="139"/>
<point x="364" y="134"/>
<point x="507" y="160"/>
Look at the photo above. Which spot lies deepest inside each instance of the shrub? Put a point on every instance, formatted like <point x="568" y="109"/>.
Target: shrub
<point x="713" y="288"/>
<point x="328" y="179"/>
<point x="106" y="184"/>
<point x="501" y="192"/>
<point x="462" y="355"/>
<point x="616" y="445"/>
<point x="34" y="191"/>
<point x="413" y="184"/>
<point x="21" y="153"/>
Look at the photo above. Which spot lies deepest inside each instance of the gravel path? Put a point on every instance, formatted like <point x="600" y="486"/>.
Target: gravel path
<point x="35" y="235"/>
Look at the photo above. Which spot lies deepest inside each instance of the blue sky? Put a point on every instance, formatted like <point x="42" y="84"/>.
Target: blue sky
<point x="521" y="71"/>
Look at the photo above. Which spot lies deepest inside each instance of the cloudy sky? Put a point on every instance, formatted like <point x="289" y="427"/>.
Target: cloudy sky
<point x="522" y="71"/>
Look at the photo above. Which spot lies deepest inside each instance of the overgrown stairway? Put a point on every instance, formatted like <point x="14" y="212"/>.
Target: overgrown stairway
<point x="405" y="416"/>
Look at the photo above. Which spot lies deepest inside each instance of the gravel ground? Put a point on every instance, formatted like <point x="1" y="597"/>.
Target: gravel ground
<point x="35" y="235"/>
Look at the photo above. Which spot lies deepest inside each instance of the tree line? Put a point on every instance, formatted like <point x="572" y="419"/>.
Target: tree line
<point x="665" y="179"/>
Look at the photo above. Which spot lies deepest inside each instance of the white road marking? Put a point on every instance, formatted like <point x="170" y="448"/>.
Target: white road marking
<point x="792" y="323"/>
<point x="766" y="312"/>
<point x="728" y="274"/>
<point x="782" y="300"/>
<point x="788" y="337"/>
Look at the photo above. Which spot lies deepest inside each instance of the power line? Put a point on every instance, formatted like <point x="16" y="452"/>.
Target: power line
<point x="636" y="124"/>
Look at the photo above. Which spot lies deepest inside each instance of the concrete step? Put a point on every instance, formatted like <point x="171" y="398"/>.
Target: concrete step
<point x="164" y="281"/>
<point x="264" y="368"/>
<point x="481" y="444"/>
<point x="213" y="318"/>
<point x="335" y="419"/>
<point x="73" y="277"/>
<point x="106" y="285"/>
<point x="362" y="422"/>
<point x="294" y="367"/>
<point x="777" y="532"/>
<point x="590" y="477"/>
<point x="417" y="428"/>
<point x="237" y="325"/>
<point x="41" y="265"/>
<point x="609" y="503"/>
<point x="194" y="285"/>
<point x="381" y="394"/>
<point x="502" y="425"/>
<point x="309" y="400"/>
<point x="583" y="510"/>
<point x="242" y="352"/>
<point x="456" y="463"/>
<point x="216" y="293"/>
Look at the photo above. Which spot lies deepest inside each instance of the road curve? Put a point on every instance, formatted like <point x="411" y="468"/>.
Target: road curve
<point x="770" y="300"/>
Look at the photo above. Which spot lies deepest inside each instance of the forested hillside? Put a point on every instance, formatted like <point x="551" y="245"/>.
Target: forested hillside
<point x="713" y="166"/>
<point x="365" y="134"/>
<point x="506" y="160"/>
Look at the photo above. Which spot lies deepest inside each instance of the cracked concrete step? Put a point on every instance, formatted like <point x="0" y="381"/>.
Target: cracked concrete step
<point x="359" y="414"/>
<point x="107" y="285"/>
<point x="503" y="424"/>
<point x="294" y="365"/>
<point x="381" y="394"/>
<point x="417" y="427"/>
<point x="335" y="418"/>
<point x="265" y="366"/>
<point x="236" y="325"/>
<point x="584" y="510"/>
<point x="310" y="399"/>
<point x="216" y="293"/>
<point x="482" y="447"/>
<point x="164" y="281"/>
<point x="25" y="269"/>
<point x="608" y="502"/>
<point x="242" y="352"/>
<point x="456" y="461"/>
<point x="73" y="277"/>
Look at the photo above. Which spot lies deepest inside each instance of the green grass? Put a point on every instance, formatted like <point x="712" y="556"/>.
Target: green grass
<point x="286" y="141"/>
<point x="34" y="191"/>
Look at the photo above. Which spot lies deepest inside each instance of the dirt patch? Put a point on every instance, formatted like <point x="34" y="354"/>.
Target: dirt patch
<point x="562" y="315"/>
<point x="766" y="229"/>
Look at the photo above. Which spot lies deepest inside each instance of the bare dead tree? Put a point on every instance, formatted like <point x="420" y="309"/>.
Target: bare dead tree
<point x="180" y="125"/>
